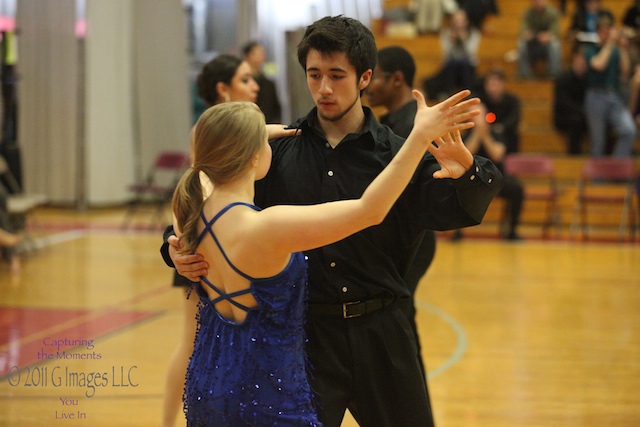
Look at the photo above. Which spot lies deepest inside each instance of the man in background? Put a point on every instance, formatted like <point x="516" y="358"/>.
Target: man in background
<point x="495" y="135"/>
<point x="608" y="65"/>
<point x="539" y="39"/>
<point x="390" y="87"/>
<point x="268" y="101"/>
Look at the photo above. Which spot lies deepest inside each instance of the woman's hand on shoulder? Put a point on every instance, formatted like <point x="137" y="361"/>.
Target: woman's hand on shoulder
<point x="281" y="131"/>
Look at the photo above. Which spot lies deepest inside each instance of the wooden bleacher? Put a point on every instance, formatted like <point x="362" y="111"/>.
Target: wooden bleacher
<point x="537" y="133"/>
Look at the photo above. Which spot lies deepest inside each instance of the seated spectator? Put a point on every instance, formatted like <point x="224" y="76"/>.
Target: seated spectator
<point x="484" y="141"/>
<point x="504" y="107"/>
<point x="608" y="64"/>
<point x="459" y="42"/>
<point x="583" y="22"/>
<point x="428" y="15"/>
<point x="539" y="39"/>
<point x="631" y="19"/>
<point x="495" y="135"/>
<point x="568" y="102"/>
<point x="478" y="10"/>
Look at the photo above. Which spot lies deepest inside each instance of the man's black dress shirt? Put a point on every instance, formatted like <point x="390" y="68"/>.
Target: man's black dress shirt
<point x="401" y="120"/>
<point x="306" y="170"/>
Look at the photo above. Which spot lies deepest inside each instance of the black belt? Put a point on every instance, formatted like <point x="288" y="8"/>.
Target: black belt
<point x="348" y="310"/>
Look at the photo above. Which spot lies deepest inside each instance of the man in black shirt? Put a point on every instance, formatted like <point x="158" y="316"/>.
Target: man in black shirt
<point x="391" y="86"/>
<point x="361" y="349"/>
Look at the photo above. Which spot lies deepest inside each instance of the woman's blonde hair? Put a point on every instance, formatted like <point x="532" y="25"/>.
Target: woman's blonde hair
<point x="225" y="139"/>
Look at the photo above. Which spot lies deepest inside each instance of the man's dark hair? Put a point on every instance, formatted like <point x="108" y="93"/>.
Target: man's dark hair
<point x="396" y="58"/>
<point x="220" y="69"/>
<point x="339" y="34"/>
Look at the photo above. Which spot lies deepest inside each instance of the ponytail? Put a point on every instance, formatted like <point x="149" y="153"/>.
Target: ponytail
<point x="188" y="201"/>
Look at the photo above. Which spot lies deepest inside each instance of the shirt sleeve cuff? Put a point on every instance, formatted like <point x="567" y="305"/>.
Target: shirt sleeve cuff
<point x="470" y="176"/>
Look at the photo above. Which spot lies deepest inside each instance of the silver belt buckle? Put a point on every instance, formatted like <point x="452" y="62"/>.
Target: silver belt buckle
<point x="344" y="310"/>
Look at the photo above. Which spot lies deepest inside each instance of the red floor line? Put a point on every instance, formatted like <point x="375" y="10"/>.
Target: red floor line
<point x="24" y="322"/>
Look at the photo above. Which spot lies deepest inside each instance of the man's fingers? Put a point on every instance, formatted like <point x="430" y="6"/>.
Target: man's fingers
<point x="174" y="241"/>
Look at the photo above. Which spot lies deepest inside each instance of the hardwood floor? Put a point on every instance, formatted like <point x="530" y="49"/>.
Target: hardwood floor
<point x="531" y="333"/>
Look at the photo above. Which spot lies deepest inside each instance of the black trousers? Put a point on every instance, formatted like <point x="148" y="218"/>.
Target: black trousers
<point x="369" y="365"/>
<point x="513" y="193"/>
<point x="575" y="129"/>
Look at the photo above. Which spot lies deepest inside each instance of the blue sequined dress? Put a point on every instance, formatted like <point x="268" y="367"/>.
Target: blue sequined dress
<point x="252" y="373"/>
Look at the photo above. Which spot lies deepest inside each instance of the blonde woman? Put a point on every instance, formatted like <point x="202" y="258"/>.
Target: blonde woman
<point x="225" y="78"/>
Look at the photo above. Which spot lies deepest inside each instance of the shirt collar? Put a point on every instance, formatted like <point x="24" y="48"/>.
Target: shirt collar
<point x="369" y="132"/>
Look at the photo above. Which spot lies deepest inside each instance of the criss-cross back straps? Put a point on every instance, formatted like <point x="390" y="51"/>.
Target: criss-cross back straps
<point x="208" y="230"/>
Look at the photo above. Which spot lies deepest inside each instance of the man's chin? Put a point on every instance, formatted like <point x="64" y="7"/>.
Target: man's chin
<point x="330" y="117"/>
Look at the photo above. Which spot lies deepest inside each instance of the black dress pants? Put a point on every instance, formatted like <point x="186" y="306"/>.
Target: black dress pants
<point x="369" y="365"/>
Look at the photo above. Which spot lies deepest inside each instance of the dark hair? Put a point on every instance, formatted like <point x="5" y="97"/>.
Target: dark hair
<point x="396" y="58"/>
<point x="604" y="18"/>
<point x="246" y="49"/>
<point x="339" y="34"/>
<point x="220" y="69"/>
<point x="497" y="73"/>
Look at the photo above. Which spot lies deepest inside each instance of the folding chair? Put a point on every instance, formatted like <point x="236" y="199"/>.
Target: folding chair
<point x="537" y="173"/>
<point x="19" y="203"/>
<point x="159" y="184"/>
<point x="606" y="181"/>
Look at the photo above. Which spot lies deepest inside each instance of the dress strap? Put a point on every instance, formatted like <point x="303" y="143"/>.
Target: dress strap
<point x="228" y="297"/>
<point x="207" y="229"/>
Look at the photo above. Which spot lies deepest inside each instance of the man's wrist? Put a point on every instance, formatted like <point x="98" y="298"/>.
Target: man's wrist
<point x="469" y="177"/>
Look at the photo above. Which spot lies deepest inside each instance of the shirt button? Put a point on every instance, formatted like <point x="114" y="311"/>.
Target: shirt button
<point x="333" y="264"/>
<point x="477" y="169"/>
<point x="330" y="173"/>
<point x="472" y="177"/>
<point x="327" y="145"/>
<point x="344" y="289"/>
<point x="490" y="180"/>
